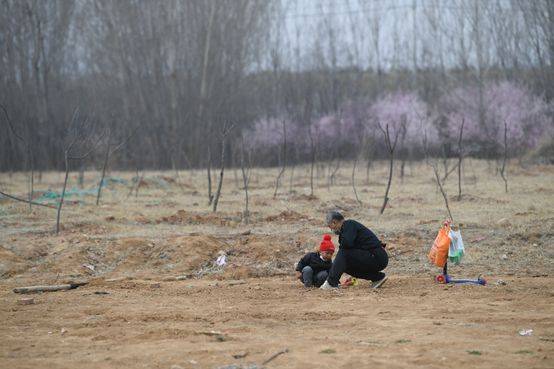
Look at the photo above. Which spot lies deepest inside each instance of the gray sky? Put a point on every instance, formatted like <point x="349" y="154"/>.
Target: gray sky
<point x="306" y="20"/>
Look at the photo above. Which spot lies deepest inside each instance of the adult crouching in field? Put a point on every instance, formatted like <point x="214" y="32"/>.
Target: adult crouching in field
<point x="361" y="254"/>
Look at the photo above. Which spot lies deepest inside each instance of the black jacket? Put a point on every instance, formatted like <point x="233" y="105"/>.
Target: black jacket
<point x="354" y="235"/>
<point x="315" y="261"/>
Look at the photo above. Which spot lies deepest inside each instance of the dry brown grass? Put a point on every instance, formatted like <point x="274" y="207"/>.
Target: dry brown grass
<point x="293" y="223"/>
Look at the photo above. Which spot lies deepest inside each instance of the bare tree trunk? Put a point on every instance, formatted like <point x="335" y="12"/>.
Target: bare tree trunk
<point x="60" y="204"/>
<point x="404" y="131"/>
<point x="178" y="179"/>
<point x="450" y="171"/>
<point x="136" y="186"/>
<point x="460" y="158"/>
<point x="391" y="147"/>
<point x="204" y="92"/>
<point x="109" y="153"/>
<point x="220" y="183"/>
<point x="291" y="177"/>
<point x="328" y="168"/>
<point x="367" y="167"/>
<point x="370" y="151"/>
<point x="245" y="180"/>
<point x="209" y="170"/>
<point x="104" y="166"/>
<point x="445" y="162"/>
<point x="234" y="166"/>
<point x="312" y="163"/>
<point x="31" y="176"/>
<point x="226" y="130"/>
<point x="136" y="183"/>
<point x="205" y="60"/>
<point x="284" y="167"/>
<point x="354" y="181"/>
<point x="236" y="177"/>
<point x="503" y="169"/>
<point x="29" y="160"/>
<point x="81" y="179"/>
<point x="437" y="179"/>
<point x="334" y="174"/>
<point x="436" y="173"/>
<point x="386" y="198"/>
<point x="402" y="165"/>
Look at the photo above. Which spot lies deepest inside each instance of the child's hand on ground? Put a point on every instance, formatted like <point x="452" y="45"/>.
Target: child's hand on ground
<point x="298" y="275"/>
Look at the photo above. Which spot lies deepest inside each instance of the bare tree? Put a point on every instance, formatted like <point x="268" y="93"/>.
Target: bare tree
<point x="78" y="133"/>
<point x="447" y="170"/>
<point x="137" y="181"/>
<point x="403" y="132"/>
<point x="294" y="160"/>
<point x="284" y="161"/>
<point x="205" y="61"/>
<point x="441" y="188"/>
<point x="246" y="170"/>
<point x="29" y="157"/>
<point x="438" y="181"/>
<point x="370" y="143"/>
<point x="312" y="160"/>
<point x="203" y="92"/>
<point x="227" y="128"/>
<point x="503" y="169"/>
<point x="391" y="146"/>
<point x="336" y="155"/>
<point x="81" y="178"/>
<point x="354" y="180"/>
<point x="209" y="173"/>
<point x="25" y="201"/>
<point x="193" y="53"/>
<point x="111" y="148"/>
<point x="460" y="158"/>
<point x="333" y="172"/>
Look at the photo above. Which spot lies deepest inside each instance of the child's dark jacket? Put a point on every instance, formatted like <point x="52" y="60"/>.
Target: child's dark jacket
<point x="314" y="260"/>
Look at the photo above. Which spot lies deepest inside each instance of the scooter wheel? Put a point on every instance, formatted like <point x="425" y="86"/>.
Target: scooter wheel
<point x="440" y="279"/>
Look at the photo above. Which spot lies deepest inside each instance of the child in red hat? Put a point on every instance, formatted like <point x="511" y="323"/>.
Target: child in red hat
<point x="313" y="268"/>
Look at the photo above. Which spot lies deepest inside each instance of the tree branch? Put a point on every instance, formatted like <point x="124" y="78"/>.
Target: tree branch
<point x="95" y="145"/>
<point x="10" y="125"/>
<point x="26" y="201"/>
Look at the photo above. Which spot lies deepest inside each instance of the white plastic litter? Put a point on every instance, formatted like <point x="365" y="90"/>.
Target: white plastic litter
<point x="456" y="250"/>
<point x="89" y="267"/>
<point x="526" y="332"/>
<point x="221" y="260"/>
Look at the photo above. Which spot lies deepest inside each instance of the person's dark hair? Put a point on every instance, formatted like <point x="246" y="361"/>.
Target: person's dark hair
<point x="333" y="215"/>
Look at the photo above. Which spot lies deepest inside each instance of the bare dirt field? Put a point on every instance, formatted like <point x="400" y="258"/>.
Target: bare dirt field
<point x="135" y="313"/>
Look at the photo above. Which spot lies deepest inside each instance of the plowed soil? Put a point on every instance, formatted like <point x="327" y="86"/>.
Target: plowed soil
<point x="155" y="297"/>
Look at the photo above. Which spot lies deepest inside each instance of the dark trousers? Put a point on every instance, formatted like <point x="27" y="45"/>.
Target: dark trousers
<point x="363" y="264"/>
<point x="309" y="279"/>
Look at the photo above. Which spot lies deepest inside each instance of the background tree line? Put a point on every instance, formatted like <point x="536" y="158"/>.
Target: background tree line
<point x="171" y="78"/>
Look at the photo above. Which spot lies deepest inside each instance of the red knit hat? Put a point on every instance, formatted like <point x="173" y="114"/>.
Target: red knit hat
<point x="327" y="244"/>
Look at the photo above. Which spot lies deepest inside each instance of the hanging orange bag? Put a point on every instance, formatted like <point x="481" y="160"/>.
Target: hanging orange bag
<point x="439" y="251"/>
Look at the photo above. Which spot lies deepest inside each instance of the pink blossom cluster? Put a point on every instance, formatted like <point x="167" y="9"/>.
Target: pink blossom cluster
<point x="403" y="109"/>
<point x="528" y="118"/>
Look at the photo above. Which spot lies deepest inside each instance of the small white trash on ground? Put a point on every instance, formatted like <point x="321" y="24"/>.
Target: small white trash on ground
<point x="221" y="260"/>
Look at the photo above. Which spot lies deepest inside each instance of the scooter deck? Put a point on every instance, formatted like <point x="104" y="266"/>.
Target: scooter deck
<point x="445" y="278"/>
